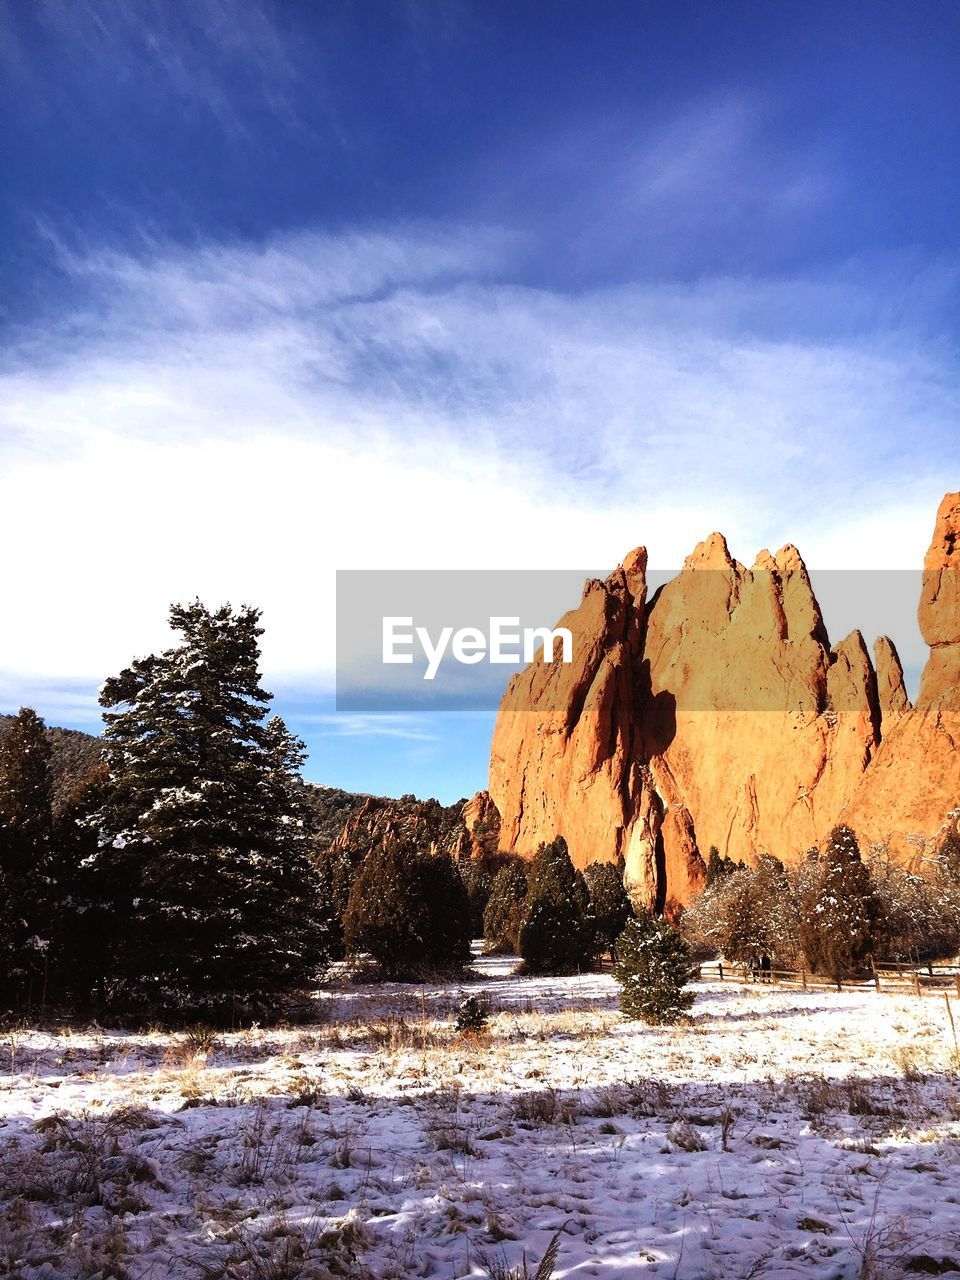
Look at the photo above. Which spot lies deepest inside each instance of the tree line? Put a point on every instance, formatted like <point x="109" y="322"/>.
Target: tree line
<point x="189" y="875"/>
<point x="834" y="911"/>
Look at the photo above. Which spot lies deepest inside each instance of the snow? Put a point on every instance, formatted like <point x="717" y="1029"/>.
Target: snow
<point x="779" y="1133"/>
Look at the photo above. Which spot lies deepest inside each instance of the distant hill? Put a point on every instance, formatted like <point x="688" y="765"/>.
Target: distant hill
<point x="74" y="754"/>
<point x="342" y="819"/>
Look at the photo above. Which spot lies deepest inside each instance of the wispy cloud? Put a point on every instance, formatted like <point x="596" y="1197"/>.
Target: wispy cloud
<point x="237" y="421"/>
<point x="352" y="725"/>
<point x="669" y="189"/>
<point x="213" y="56"/>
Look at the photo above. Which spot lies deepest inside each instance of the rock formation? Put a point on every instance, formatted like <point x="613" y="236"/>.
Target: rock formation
<point x="718" y="714"/>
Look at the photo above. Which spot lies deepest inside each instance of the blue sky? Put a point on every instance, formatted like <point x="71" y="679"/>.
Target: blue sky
<point x="294" y="287"/>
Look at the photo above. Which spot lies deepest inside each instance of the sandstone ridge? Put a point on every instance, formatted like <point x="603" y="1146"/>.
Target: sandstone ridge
<point x="716" y="712"/>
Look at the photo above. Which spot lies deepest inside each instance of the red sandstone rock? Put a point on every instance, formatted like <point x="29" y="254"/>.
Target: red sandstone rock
<point x="718" y="714"/>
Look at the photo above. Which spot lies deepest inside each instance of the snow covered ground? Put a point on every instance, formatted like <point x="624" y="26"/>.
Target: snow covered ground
<point x="779" y="1134"/>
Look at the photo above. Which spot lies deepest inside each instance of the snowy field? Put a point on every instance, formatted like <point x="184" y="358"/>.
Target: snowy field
<point x="779" y="1134"/>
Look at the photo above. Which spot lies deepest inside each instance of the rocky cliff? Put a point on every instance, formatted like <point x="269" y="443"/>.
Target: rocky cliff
<point x="718" y="713"/>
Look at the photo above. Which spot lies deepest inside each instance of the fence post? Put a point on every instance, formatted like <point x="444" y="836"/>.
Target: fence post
<point x="876" y="974"/>
<point x="803" y="978"/>
<point x="916" y="983"/>
<point x="720" y="970"/>
<point x="953" y="1025"/>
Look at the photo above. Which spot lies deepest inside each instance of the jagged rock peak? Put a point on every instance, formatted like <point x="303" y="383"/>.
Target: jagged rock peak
<point x="891" y="688"/>
<point x="712" y="553"/>
<point x="722" y="716"/>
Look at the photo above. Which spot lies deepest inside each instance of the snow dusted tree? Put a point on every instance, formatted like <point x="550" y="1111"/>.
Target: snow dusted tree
<point x="717" y="867"/>
<point x="745" y="913"/>
<point x="948" y="858"/>
<point x="28" y="888"/>
<point x="838" y="909"/>
<point x="653" y="968"/>
<point x="478" y="883"/>
<point x="336" y="873"/>
<point x="503" y="914"/>
<point x="917" y="920"/>
<point x="609" y="904"/>
<point x="558" y="932"/>
<point x="203" y="842"/>
<point x="409" y="911"/>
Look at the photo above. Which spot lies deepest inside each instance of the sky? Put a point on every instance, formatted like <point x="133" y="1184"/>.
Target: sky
<point x="290" y="288"/>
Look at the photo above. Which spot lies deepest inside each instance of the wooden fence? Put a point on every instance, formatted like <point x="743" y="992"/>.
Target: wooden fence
<point x="935" y="979"/>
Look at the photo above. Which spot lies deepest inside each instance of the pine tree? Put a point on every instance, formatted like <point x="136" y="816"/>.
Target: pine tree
<point x="948" y="857"/>
<point x="609" y="903"/>
<point x="202" y="836"/>
<point x="90" y="919"/>
<point x="409" y="911"/>
<point x="28" y="889"/>
<point x="335" y="874"/>
<point x="558" y="933"/>
<point x="653" y="969"/>
<point x="451" y="926"/>
<point x="717" y="868"/>
<point x="839" y="912"/>
<point x="478" y="884"/>
<point x="503" y="914"/>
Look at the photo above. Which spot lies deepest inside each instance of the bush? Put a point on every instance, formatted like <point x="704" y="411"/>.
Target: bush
<point x="477" y="882"/>
<point x="745" y="913"/>
<point x="503" y="914"/>
<point x="609" y="904"/>
<point x="409" y="911"/>
<point x="916" y="920"/>
<point x="558" y="933"/>
<point x="653" y="968"/>
<point x="472" y="1016"/>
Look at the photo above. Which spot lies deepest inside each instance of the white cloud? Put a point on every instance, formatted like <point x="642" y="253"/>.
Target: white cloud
<point x="238" y="422"/>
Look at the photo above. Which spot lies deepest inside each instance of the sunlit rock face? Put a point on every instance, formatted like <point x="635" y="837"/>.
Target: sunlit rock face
<point x="717" y="713"/>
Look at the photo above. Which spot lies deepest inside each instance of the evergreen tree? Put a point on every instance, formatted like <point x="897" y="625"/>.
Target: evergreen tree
<point x="745" y="914"/>
<point x="948" y="857"/>
<point x="91" y="918"/>
<point x="335" y="873"/>
<point x="409" y="911"/>
<point x="839" y="912"/>
<point x="609" y="903"/>
<point x="478" y="884"/>
<point x="451" y="926"/>
<point x="503" y="914"/>
<point x="717" y="868"/>
<point x="653" y="969"/>
<point x="28" y="890"/>
<point x="202" y="835"/>
<point x="558" y="933"/>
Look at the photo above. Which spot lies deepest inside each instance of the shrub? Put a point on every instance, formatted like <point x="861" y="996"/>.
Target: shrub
<point x="916" y="919"/>
<point x="745" y="913"/>
<point x="653" y="968"/>
<point x="409" y="911"/>
<point x="478" y="883"/>
<point x="472" y="1016"/>
<point x="609" y="904"/>
<point x="558" y="934"/>
<point x="503" y="914"/>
